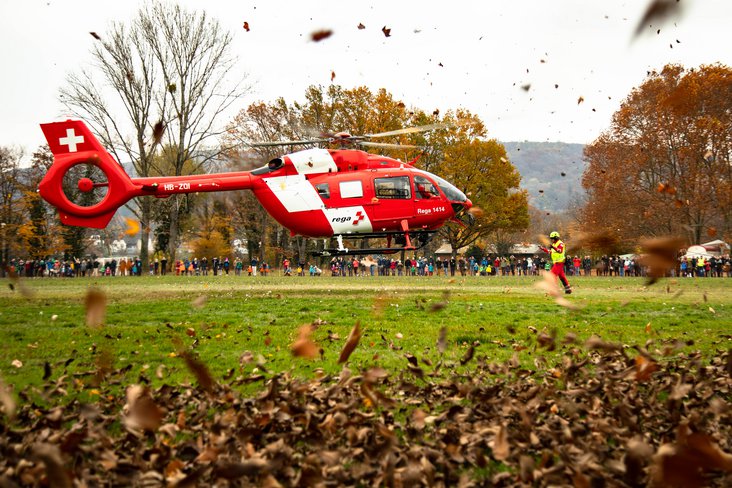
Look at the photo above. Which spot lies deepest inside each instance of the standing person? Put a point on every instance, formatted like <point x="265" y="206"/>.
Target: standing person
<point x="254" y="263"/>
<point x="557" y="252"/>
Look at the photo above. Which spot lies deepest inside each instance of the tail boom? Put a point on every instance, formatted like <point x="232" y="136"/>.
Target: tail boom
<point x="72" y="144"/>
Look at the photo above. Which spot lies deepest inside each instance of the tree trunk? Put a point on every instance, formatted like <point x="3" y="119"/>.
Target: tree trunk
<point x="145" y="219"/>
<point x="173" y="237"/>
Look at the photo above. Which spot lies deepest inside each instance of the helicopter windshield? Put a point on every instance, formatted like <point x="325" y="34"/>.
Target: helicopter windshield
<point x="452" y="193"/>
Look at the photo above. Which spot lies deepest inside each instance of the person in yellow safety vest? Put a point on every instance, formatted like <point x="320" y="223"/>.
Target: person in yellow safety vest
<point x="700" y="266"/>
<point x="557" y="252"/>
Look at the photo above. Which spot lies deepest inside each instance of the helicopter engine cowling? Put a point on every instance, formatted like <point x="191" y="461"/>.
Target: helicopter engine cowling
<point x="312" y="161"/>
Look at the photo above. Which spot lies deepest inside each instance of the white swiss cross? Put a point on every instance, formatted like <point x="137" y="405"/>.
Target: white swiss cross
<point x="71" y="140"/>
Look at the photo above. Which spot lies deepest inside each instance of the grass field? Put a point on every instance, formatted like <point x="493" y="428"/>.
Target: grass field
<point x="517" y="395"/>
<point x="148" y="319"/>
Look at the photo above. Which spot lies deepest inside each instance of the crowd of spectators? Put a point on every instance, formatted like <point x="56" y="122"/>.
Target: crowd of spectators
<point x="627" y="265"/>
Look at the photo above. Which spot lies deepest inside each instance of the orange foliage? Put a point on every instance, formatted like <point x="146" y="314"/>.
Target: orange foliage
<point x="663" y="166"/>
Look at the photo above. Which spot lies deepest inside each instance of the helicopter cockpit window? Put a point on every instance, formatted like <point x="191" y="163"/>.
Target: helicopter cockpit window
<point x="424" y="189"/>
<point x="452" y="193"/>
<point x="394" y="187"/>
<point x="323" y="190"/>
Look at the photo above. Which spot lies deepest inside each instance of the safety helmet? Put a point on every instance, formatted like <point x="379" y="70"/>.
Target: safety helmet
<point x="554" y="234"/>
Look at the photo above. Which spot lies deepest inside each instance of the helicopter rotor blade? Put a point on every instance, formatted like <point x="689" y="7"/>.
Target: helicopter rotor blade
<point x="287" y="143"/>
<point x="386" y="145"/>
<point x="409" y="130"/>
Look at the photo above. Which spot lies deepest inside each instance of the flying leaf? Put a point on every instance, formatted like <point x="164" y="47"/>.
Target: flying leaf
<point x="319" y="35"/>
<point x="442" y="340"/>
<point x="580" y="100"/>
<point x="133" y="226"/>
<point x="142" y="411"/>
<point x="95" y="36"/>
<point x="7" y="401"/>
<point x="351" y="343"/>
<point x="205" y="380"/>
<point x="361" y="26"/>
<point x="660" y="256"/>
<point x="658" y="11"/>
<point x="304" y="346"/>
<point x="158" y="131"/>
<point x="468" y="355"/>
<point x="386" y="31"/>
<point x="246" y="26"/>
<point x="96" y="307"/>
<point x="332" y="75"/>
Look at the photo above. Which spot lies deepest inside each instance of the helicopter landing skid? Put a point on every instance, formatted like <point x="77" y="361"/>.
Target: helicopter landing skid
<point x="420" y="237"/>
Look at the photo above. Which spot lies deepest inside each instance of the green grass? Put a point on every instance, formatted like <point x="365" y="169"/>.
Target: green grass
<point x="146" y="316"/>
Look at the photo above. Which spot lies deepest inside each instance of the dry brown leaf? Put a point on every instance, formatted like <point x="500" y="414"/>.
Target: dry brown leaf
<point x="142" y="411"/>
<point x="657" y="13"/>
<point x="442" y="340"/>
<point x="201" y="372"/>
<point x="96" y="307"/>
<point x="7" y="401"/>
<point x="199" y="302"/>
<point x="351" y="343"/>
<point x="319" y="35"/>
<point x="56" y="473"/>
<point x="158" y="131"/>
<point x="501" y="448"/>
<point x="304" y="347"/>
<point x="660" y="255"/>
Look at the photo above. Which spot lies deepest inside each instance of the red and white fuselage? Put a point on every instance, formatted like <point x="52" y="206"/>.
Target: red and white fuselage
<point x="314" y="193"/>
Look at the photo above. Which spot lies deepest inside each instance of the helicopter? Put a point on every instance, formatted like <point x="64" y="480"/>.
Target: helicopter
<point x="318" y="193"/>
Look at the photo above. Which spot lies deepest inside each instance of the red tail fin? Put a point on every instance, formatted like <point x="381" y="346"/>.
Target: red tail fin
<point x="72" y="144"/>
<point x="71" y="136"/>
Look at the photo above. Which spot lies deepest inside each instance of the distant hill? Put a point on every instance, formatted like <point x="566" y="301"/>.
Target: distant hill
<point x="541" y="165"/>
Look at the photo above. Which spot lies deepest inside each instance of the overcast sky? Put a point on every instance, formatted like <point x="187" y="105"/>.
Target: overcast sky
<point x="441" y="55"/>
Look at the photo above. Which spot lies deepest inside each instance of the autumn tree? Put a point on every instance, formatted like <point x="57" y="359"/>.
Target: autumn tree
<point x="164" y="77"/>
<point x="11" y="214"/>
<point x="663" y="167"/>
<point x="480" y="168"/>
<point x="41" y="231"/>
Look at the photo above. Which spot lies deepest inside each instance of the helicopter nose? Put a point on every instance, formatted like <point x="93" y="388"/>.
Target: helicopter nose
<point x="467" y="204"/>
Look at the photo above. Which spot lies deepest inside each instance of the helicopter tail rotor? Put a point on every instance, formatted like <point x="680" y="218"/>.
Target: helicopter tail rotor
<point x="85" y="183"/>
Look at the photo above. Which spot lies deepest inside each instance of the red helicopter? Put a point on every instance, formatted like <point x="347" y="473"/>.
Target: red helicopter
<point x="321" y="193"/>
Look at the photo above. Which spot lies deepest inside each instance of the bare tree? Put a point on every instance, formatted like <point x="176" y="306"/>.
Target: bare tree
<point x="169" y="70"/>
<point x="193" y="53"/>
<point x="128" y="69"/>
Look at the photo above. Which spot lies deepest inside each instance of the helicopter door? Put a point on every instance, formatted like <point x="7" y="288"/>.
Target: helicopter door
<point x="394" y="194"/>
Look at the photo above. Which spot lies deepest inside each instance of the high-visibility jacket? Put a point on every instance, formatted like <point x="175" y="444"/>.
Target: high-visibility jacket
<point x="557" y="252"/>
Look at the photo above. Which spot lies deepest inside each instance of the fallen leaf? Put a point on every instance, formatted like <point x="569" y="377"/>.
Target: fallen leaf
<point x="501" y="448"/>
